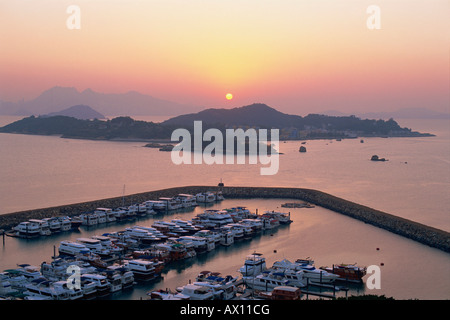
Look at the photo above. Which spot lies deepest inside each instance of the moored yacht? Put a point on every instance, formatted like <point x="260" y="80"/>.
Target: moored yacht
<point x="209" y="234"/>
<point x="55" y="291"/>
<point x="171" y="203"/>
<point x="254" y="264"/>
<point x="28" y="229"/>
<point x="187" y="200"/>
<point x="44" y="227"/>
<point x="266" y="281"/>
<point x="196" y="292"/>
<point x="101" y="283"/>
<point x="89" y="219"/>
<point x="72" y="248"/>
<point x="95" y="246"/>
<point x="127" y="276"/>
<point x="200" y="244"/>
<point x="347" y="272"/>
<point x="311" y="273"/>
<point x="54" y="224"/>
<point x="141" y="235"/>
<point x="142" y="269"/>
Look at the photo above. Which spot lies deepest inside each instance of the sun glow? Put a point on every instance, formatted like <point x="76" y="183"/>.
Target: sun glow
<point x="229" y="96"/>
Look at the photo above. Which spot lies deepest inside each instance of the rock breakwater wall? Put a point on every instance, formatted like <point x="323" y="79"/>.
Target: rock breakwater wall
<point x="430" y="236"/>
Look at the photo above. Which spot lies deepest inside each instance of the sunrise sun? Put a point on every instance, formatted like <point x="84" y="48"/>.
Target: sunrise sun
<point x="229" y="96"/>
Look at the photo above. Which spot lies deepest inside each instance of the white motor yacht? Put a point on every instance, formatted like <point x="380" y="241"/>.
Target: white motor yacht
<point x="188" y="200"/>
<point x="209" y="234"/>
<point x="54" y="290"/>
<point x="43" y="224"/>
<point x="127" y="276"/>
<point x="142" y="269"/>
<point x="265" y="281"/>
<point x="200" y="244"/>
<point x="310" y="272"/>
<point x="89" y="219"/>
<point x="72" y="248"/>
<point x="254" y="264"/>
<point x="195" y="292"/>
<point x="28" y="229"/>
<point x="101" y="283"/>
<point x="95" y="246"/>
<point x="141" y="235"/>
<point x="54" y="224"/>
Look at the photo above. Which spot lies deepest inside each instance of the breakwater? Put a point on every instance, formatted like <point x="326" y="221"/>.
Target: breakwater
<point x="430" y="236"/>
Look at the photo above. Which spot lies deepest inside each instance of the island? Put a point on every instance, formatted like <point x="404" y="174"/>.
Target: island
<point x="258" y="116"/>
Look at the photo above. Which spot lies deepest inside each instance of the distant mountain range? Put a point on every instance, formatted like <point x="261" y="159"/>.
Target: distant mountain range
<point x="110" y="104"/>
<point x="134" y="103"/>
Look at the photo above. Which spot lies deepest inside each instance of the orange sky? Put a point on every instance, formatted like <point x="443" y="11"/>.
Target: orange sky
<point x="298" y="56"/>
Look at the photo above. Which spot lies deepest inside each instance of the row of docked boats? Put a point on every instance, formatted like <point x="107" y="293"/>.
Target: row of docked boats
<point x="44" y="227"/>
<point x="208" y="286"/>
<point x="110" y="259"/>
<point x="47" y="226"/>
<point x="283" y="281"/>
<point x="300" y="273"/>
<point x="50" y="281"/>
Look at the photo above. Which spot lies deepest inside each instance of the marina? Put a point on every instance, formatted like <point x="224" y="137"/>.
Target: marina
<point x="115" y="262"/>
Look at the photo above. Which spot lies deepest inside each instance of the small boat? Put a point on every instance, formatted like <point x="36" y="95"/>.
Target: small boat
<point x="347" y="272"/>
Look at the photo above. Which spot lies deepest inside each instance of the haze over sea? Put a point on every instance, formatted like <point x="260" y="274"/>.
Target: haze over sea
<point x="44" y="171"/>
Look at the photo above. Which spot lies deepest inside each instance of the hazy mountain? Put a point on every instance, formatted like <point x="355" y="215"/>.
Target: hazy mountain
<point x="404" y="113"/>
<point x="257" y="114"/>
<point x="110" y="104"/>
<point x="79" y="111"/>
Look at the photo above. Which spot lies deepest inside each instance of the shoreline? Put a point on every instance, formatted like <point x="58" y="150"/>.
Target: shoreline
<point x="421" y="233"/>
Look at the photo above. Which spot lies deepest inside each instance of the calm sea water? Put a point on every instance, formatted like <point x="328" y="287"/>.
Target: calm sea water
<point x="40" y="171"/>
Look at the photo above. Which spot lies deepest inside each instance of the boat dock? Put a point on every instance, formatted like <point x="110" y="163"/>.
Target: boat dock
<point x="410" y="229"/>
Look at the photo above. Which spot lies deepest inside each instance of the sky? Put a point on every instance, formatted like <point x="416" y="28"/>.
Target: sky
<point x="298" y="56"/>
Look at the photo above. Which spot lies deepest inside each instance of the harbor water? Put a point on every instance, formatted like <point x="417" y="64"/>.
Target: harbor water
<point x="42" y="171"/>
